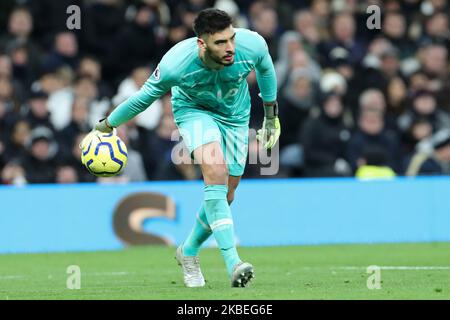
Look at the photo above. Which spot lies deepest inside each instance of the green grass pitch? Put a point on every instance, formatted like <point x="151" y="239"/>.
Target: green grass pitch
<point x="409" y="271"/>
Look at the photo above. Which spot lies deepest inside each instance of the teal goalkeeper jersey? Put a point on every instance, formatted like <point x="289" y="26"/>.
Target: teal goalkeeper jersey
<point x="221" y="93"/>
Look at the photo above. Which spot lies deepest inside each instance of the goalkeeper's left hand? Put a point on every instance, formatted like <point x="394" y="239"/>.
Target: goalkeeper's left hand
<point x="104" y="126"/>
<point x="270" y="132"/>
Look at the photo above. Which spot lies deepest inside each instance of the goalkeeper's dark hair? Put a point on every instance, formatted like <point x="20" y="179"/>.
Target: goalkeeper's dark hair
<point x="210" y="21"/>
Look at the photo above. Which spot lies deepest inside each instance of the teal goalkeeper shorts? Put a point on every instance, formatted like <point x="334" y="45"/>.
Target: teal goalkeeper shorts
<point x="199" y="127"/>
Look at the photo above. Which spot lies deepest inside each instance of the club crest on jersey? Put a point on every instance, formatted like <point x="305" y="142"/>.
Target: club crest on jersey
<point x="157" y="73"/>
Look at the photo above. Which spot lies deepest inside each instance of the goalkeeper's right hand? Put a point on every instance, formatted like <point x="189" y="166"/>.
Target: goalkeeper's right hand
<point x="104" y="126"/>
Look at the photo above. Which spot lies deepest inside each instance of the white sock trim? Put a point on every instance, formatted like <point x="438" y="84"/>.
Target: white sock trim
<point x="221" y="222"/>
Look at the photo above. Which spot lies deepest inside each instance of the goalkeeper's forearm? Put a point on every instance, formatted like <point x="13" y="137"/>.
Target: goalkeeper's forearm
<point x="130" y="108"/>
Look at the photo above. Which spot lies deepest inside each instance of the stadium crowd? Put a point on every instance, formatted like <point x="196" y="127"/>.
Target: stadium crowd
<point x="353" y="100"/>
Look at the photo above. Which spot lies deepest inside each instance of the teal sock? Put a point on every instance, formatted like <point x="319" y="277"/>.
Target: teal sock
<point x="219" y="218"/>
<point x="199" y="234"/>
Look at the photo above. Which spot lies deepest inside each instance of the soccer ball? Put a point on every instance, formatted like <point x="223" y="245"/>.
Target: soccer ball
<point x="103" y="154"/>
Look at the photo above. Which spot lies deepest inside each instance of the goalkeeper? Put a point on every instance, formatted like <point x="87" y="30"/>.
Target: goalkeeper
<point x="211" y="107"/>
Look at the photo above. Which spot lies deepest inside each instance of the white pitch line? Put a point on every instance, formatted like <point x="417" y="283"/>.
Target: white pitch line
<point x="94" y="274"/>
<point x="118" y="273"/>
<point x="11" y="277"/>
<point x="396" y="268"/>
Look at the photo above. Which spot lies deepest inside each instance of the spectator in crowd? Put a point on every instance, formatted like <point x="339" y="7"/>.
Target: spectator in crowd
<point x="324" y="141"/>
<point x="343" y="35"/>
<point x="51" y="17"/>
<point x="16" y="144"/>
<point x="394" y="29"/>
<point x="135" y="170"/>
<point x="79" y="124"/>
<point x="293" y="57"/>
<point x="64" y="53"/>
<point x="265" y="22"/>
<point x="90" y="67"/>
<point x="137" y="43"/>
<point x="321" y="10"/>
<point x="232" y="9"/>
<point x="13" y="173"/>
<point x="148" y="119"/>
<point x="371" y="132"/>
<point x="67" y="80"/>
<point x="437" y="30"/>
<point x="290" y="42"/>
<point x="297" y="100"/>
<point x="73" y="159"/>
<point x="379" y="76"/>
<point x="305" y="23"/>
<point x="435" y="161"/>
<point x="374" y="99"/>
<point x="161" y="144"/>
<point x="20" y="28"/>
<point x="40" y="162"/>
<point x="102" y="23"/>
<point x="434" y="62"/>
<point x="424" y="105"/>
<point x="421" y="130"/>
<point x="37" y="113"/>
<point x="6" y="91"/>
<point x="180" y="168"/>
<point x="66" y="174"/>
<point x="397" y="94"/>
<point x="373" y="164"/>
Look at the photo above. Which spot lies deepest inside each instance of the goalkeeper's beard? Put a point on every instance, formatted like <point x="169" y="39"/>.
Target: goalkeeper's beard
<point x="217" y="59"/>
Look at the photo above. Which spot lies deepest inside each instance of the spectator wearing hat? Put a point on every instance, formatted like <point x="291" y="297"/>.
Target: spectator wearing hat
<point x="324" y="140"/>
<point x="37" y="113"/>
<point x="23" y="72"/>
<point x="339" y="60"/>
<point x="434" y="161"/>
<point x="40" y="163"/>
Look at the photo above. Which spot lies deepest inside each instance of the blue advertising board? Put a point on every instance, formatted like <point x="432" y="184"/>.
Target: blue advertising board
<point x="47" y="218"/>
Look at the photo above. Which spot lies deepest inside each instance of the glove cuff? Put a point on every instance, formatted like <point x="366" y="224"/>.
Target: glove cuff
<point x="107" y="123"/>
<point x="271" y="110"/>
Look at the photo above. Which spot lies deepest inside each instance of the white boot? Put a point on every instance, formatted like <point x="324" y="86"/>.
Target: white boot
<point x="192" y="273"/>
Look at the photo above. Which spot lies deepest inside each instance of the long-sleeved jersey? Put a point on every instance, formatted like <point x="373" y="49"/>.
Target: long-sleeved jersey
<point x="222" y="93"/>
